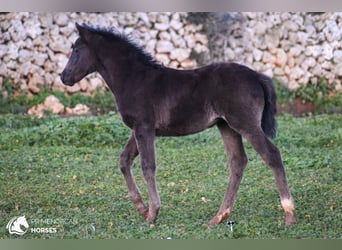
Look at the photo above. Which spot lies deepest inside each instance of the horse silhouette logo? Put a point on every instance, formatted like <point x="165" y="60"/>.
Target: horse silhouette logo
<point x="16" y="225"/>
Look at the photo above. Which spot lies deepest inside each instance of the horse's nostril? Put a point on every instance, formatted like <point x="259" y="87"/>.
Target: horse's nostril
<point x="67" y="77"/>
<point x="64" y="75"/>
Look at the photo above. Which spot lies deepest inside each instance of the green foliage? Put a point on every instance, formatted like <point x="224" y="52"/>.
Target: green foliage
<point x="16" y="101"/>
<point x="57" y="168"/>
<point x="323" y="95"/>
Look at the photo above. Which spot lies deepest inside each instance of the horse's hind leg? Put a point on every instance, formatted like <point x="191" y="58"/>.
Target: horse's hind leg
<point x="237" y="163"/>
<point x="271" y="155"/>
<point x="126" y="160"/>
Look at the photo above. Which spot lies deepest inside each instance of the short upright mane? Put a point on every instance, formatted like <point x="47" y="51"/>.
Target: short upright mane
<point x="135" y="50"/>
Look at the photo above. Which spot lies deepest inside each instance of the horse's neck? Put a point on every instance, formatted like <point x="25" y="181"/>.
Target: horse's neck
<point x="112" y="79"/>
<point x="116" y="75"/>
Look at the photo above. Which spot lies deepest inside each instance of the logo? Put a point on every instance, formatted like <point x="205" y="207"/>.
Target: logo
<point x="17" y="225"/>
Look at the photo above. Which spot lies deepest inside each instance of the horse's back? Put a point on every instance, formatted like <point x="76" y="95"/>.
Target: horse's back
<point x="189" y="101"/>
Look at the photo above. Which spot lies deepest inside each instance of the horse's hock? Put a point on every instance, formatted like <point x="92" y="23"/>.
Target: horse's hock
<point x="295" y="48"/>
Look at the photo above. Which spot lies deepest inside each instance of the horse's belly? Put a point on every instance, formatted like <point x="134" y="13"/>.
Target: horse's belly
<point x="190" y="125"/>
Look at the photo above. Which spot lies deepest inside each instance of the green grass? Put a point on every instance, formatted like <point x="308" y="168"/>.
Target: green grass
<point x="67" y="170"/>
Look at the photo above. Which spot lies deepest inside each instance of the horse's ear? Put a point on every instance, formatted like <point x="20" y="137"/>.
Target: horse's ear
<point x="83" y="32"/>
<point x="78" y="26"/>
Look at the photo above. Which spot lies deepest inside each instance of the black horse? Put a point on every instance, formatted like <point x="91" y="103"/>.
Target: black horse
<point x="154" y="100"/>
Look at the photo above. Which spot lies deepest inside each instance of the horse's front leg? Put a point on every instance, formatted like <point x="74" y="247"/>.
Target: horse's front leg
<point x="144" y="136"/>
<point x="126" y="160"/>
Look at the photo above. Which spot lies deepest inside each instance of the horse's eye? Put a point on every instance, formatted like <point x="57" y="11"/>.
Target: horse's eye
<point x="72" y="45"/>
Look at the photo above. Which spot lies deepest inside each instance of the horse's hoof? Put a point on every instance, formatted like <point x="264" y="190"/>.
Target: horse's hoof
<point x="150" y="219"/>
<point x="143" y="211"/>
<point x="290" y="219"/>
<point x="214" y="221"/>
<point x="219" y="218"/>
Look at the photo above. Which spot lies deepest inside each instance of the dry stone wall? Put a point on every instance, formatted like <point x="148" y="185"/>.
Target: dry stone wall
<point x="296" y="48"/>
<point x="34" y="47"/>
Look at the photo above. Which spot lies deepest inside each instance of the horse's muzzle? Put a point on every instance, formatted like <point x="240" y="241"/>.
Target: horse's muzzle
<point x="67" y="77"/>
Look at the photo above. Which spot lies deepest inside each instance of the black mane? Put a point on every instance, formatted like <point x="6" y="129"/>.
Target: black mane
<point x="135" y="50"/>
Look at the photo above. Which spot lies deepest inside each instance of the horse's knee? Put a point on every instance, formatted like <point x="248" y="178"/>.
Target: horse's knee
<point x="128" y="155"/>
<point x="124" y="162"/>
<point x="243" y="160"/>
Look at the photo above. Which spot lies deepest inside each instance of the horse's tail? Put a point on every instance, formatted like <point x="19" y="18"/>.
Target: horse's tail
<point x="268" y="121"/>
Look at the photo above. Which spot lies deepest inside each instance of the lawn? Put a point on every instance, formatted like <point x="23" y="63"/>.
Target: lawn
<point x="63" y="173"/>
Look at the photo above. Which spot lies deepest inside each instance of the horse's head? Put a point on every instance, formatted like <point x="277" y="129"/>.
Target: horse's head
<point x="82" y="60"/>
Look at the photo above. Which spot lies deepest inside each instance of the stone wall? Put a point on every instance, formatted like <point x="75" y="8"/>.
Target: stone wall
<point x="295" y="48"/>
<point x="34" y="47"/>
